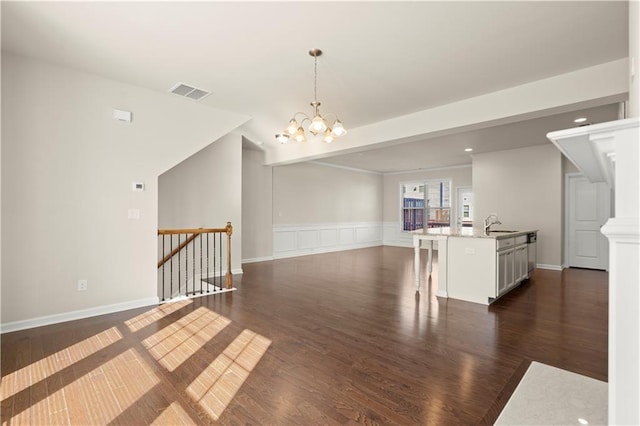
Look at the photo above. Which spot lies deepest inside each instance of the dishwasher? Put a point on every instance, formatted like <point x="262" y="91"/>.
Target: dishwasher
<point x="532" y="238"/>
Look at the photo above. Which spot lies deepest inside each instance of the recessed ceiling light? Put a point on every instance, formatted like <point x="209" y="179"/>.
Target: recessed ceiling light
<point x="580" y="120"/>
<point x="468" y="149"/>
<point x="583" y="421"/>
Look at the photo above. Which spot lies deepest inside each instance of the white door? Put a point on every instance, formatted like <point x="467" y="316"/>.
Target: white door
<point x="588" y="208"/>
<point x="465" y="206"/>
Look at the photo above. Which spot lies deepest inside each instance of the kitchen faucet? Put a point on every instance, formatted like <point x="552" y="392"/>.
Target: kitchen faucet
<point x="492" y="219"/>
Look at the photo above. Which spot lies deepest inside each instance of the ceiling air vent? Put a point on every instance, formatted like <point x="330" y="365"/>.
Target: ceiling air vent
<point x="189" y="91"/>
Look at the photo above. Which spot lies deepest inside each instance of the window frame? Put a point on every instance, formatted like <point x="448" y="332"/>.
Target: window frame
<point x="427" y="208"/>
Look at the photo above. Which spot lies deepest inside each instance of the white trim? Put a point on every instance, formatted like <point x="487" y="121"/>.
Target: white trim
<point x="593" y="148"/>
<point x="195" y="296"/>
<point x="431" y="169"/>
<point x="337" y="166"/>
<point x="622" y="230"/>
<point x="324" y="225"/>
<point x="76" y="315"/>
<point x="314" y="238"/>
<point x="307" y="252"/>
<point x="549" y="267"/>
<point x="257" y="259"/>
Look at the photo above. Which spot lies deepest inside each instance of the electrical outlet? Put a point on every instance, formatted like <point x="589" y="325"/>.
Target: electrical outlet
<point x="82" y="285"/>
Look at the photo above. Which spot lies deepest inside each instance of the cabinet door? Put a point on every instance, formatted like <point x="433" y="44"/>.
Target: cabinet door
<point x="524" y="263"/>
<point x="505" y="270"/>
<point x="520" y="264"/>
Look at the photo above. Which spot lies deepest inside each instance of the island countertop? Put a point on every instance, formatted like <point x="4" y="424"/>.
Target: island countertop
<point x="470" y="232"/>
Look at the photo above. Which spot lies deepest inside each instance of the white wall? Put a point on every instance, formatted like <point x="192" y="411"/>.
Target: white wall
<point x="67" y="169"/>
<point x="315" y="193"/>
<point x="524" y="188"/>
<point x="634" y="56"/>
<point x="205" y="191"/>
<point x="317" y="208"/>
<point x="460" y="176"/>
<point x="257" y="219"/>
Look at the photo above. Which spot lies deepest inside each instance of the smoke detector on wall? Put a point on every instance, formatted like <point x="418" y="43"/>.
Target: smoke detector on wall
<point x="188" y="91"/>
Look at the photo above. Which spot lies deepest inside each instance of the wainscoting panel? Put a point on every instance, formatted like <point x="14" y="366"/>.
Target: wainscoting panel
<point x="328" y="237"/>
<point x="308" y="239"/>
<point x="284" y="241"/>
<point x="300" y="240"/>
<point x="347" y="235"/>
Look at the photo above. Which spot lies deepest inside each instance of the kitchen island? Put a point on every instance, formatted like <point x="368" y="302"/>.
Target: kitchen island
<point x="476" y="266"/>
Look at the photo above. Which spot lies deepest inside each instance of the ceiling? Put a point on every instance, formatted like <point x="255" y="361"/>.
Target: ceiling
<point x="381" y="59"/>
<point x="447" y="151"/>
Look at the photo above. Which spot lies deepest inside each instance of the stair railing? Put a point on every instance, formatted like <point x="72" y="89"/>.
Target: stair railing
<point x="191" y="262"/>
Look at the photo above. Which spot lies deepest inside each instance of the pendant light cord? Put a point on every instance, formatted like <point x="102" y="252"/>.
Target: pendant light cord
<point x="315" y="78"/>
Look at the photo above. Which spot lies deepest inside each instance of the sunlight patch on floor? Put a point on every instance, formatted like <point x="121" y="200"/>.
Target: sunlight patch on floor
<point x="155" y="314"/>
<point x="173" y="415"/>
<point x="175" y="343"/>
<point x="38" y="371"/>
<point x="217" y="385"/>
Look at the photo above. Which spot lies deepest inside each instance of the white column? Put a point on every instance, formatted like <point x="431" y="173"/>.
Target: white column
<point x="623" y="232"/>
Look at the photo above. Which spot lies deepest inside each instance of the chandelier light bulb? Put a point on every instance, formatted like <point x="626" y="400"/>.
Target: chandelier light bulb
<point x="300" y="136"/>
<point x="292" y="128"/>
<point x="282" y="137"/>
<point x="338" y="129"/>
<point x="317" y="125"/>
<point x="328" y="136"/>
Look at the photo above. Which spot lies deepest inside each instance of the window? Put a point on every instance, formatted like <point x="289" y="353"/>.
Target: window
<point x="434" y="212"/>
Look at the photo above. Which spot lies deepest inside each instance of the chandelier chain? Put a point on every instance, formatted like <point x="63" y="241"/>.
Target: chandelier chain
<point x="315" y="78"/>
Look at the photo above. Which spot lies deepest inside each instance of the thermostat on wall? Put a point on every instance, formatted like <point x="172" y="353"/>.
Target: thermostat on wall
<point x="137" y="186"/>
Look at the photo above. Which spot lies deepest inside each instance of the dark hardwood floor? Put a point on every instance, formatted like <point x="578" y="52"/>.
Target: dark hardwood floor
<point x="351" y="342"/>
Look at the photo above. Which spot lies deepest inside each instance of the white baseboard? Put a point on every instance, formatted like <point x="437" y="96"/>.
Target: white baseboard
<point x="257" y="259"/>
<point x="195" y="296"/>
<point x="397" y="244"/>
<point x="550" y="267"/>
<point x="76" y="315"/>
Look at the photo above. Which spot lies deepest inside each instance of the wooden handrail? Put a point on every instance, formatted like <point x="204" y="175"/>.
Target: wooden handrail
<point x="197" y="231"/>
<point x="177" y="249"/>
<point x="192" y="231"/>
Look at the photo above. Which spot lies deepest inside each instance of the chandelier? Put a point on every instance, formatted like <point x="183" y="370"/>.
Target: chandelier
<point x="319" y="123"/>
